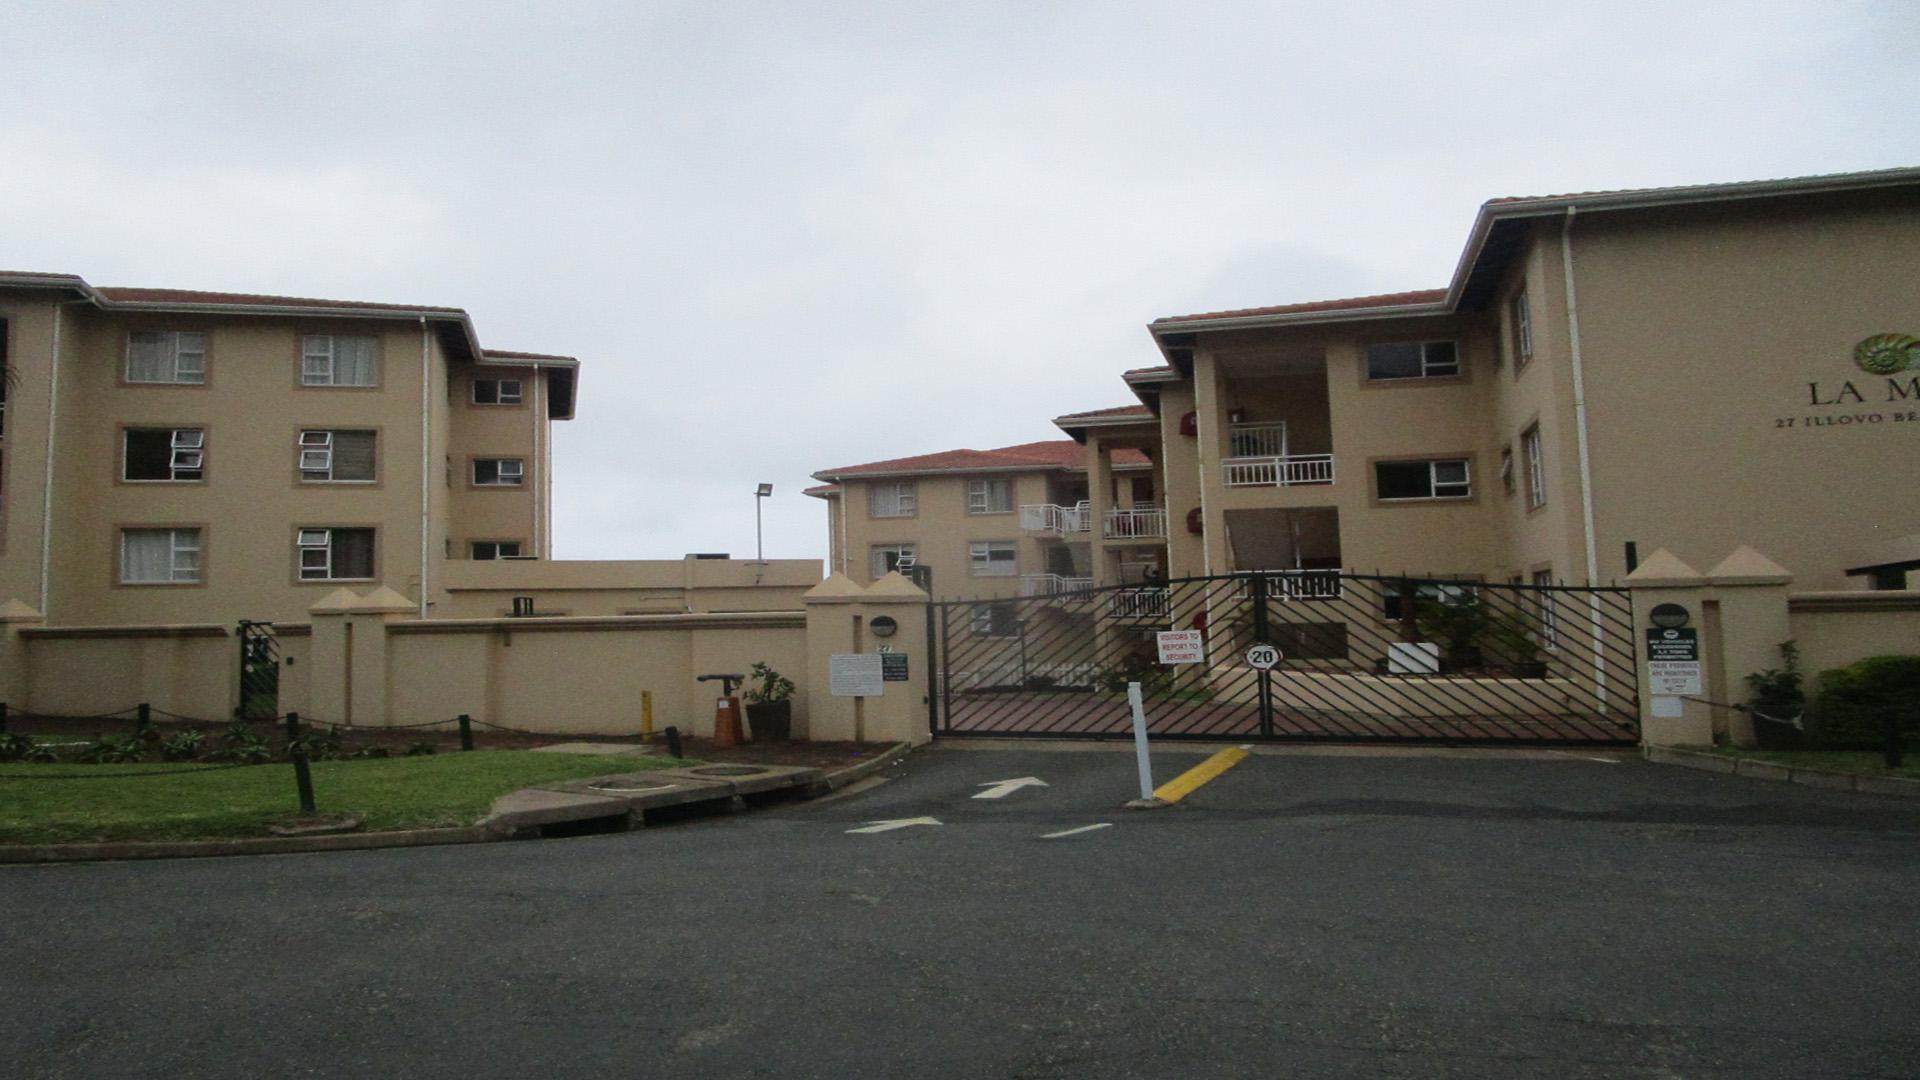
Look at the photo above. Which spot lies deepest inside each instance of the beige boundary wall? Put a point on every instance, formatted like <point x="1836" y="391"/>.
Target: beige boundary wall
<point x="1743" y="609"/>
<point x="365" y="659"/>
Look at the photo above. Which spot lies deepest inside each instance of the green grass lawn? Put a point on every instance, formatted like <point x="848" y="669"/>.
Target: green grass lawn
<point x="389" y="793"/>
<point x="1855" y="761"/>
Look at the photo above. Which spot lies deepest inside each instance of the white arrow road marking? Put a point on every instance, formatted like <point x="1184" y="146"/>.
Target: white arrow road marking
<point x="1078" y="831"/>
<point x="896" y="823"/>
<point x="1000" y="789"/>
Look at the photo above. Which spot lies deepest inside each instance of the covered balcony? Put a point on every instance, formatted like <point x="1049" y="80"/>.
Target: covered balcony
<point x="1139" y="522"/>
<point x="1261" y="457"/>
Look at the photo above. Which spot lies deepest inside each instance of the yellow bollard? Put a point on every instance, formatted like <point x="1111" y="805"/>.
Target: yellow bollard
<point x="646" y="715"/>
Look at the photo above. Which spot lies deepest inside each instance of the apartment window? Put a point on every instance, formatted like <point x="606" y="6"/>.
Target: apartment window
<point x="159" y="556"/>
<point x="1522" y="319"/>
<point x="995" y="620"/>
<point x="1544" y="580"/>
<point x="892" y="499"/>
<point x="1449" y="478"/>
<point x="1428" y="592"/>
<point x="990" y="496"/>
<point x="991" y="558"/>
<point x="166" y="356"/>
<point x="335" y="554"/>
<point x="338" y="360"/>
<point x="1536" y="466"/>
<point x="1413" y="360"/>
<point x="340" y="457"/>
<point x="498" y="472"/>
<point x="164" y="454"/>
<point x="488" y="550"/>
<point x="1506" y="469"/>
<point x="496" y="391"/>
<point x="887" y="558"/>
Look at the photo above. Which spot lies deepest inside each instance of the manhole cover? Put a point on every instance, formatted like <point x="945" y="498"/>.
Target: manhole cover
<point x="727" y="770"/>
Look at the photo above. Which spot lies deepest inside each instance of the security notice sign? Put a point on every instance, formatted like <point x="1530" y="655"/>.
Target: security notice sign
<point x="1182" y="646"/>
<point x="856" y="675"/>
<point x="1673" y="661"/>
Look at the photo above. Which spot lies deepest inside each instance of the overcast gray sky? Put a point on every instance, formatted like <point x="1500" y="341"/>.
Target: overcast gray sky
<point x="785" y="237"/>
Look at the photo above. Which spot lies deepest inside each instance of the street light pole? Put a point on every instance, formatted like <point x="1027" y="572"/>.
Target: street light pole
<point x="759" y="550"/>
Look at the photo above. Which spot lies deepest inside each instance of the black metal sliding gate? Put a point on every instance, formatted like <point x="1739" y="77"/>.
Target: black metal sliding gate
<point x="1360" y="658"/>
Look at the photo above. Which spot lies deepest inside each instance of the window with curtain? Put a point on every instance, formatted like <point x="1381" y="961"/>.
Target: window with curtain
<point x="335" y="554"/>
<point x="992" y="496"/>
<point x="159" y="556"/>
<point x="338" y="360"/>
<point x="891" y="499"/>
<point x="166" y="356"/>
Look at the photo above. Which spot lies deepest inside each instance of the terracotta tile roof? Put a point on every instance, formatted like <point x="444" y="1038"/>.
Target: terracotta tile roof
<point x="1117" y="410"/>
<point x="1047" y="454"/>
<point x="195" y="296"/>
<point x="1381" y="300"/>
<point x="821" y="491"/>
<point x="511" y="354"/>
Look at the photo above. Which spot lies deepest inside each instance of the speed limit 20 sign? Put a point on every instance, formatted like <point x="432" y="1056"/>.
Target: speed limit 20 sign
<point x="1263" y="657"/>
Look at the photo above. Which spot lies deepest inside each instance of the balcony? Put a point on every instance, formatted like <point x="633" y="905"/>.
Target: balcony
<point x="1059" y="588"/>
<point x="1148" y="603"/>
<point x="1139" y="523"/>
<point x="1066" y="522"/>
<point x="1294" y="585"/>
<point x="1279" y="470"/>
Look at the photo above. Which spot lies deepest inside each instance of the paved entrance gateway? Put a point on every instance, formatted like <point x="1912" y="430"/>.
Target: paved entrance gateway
<point x="1355" y="658"/>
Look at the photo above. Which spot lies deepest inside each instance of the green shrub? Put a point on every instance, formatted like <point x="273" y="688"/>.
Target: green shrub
<point x="182" y="745"/>
<point x="111" y="750"/>
<point x="1857" y="701"/>
<point x="419" y="749"/>
<point x="23" y="748"/>
<point x="1777" y="692"/>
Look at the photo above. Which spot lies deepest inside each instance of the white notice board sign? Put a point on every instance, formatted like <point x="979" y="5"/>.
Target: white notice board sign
<point x="1182" y="646"/>
<point x="1676" y="677"/>
<point x="856" y="675"/>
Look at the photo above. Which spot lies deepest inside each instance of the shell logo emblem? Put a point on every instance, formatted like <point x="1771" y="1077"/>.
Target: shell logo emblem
<point x="1887" y="354"/>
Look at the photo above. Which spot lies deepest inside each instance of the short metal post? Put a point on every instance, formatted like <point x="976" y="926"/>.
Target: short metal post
<point x="673" y="741"/>
<point x="646" y="715"/>
<point x="1894" y="751"/>
<point x="1140" y="741"/>
<point x="142" y="719"/>
<point x="302" y="775"/>
<point x="466" y="732"/>
<point x="3" y="718"/>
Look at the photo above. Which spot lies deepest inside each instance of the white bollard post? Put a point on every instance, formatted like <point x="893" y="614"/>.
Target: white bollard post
<point x="1140" y="741"/>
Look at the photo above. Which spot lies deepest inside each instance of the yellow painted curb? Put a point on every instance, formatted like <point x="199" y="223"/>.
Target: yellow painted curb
<point x="1193" y="779"/>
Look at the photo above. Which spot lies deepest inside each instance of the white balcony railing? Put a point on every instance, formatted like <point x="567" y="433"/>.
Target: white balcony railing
<point x="1278" y="471"/>
<point x="1150" y="603"/>
<point x="1137" y="523"/>
<point x="1050" y="518"/>
<point x="1053" y="585"/>
<point x="1294" y="585"/>
<point x="1258" y="440"/>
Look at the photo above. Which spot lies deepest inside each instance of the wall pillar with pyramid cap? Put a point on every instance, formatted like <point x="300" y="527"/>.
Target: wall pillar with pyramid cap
<point x="1668" y="720"/>
<point x="327" y="681"/>
<point x="16" y="670"/>
<point x="367" y="652"/>
<point x="840" y="617"/>
<point x="1748" y="608"/>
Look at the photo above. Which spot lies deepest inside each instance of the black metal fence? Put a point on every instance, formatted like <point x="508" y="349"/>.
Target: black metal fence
<point x="1360" y="658"/>
<point x="259" y="672"/>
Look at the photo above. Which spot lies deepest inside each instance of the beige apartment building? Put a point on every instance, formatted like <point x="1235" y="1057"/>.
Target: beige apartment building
<point x="993" y="524"/>
<point x="1604" y="375"/>
<point x="169" y="456"/>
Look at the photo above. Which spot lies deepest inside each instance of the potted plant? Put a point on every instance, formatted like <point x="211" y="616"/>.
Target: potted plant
<point x="769" y="704"/>
<point x="1455" y="621"/>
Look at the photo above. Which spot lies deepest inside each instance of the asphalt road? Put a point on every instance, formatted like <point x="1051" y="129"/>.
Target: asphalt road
<point x="1301" y="916"/>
